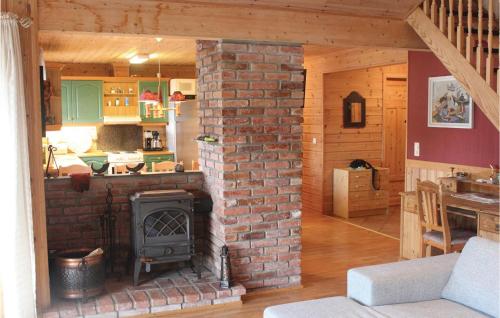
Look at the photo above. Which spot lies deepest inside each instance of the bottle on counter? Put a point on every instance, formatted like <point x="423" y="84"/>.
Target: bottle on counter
<point x="109" y="103"/>
<point x="117" y="102"/>
<point x="126" y="101"/>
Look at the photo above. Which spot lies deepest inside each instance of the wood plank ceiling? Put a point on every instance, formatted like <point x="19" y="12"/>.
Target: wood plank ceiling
<point x="94" y="48"/>
<point x="397" y="9"/>
<point x="85" y="48"/>
<point x="105" y="48"/>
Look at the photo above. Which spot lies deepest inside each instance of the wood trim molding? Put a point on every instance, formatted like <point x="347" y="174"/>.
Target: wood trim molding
<point x="428" y="170"/>
<point x="208" y="21"/>
<point x="445" y="166"/>
<point x="482" y="93"/>
<point x="30" y="51"/>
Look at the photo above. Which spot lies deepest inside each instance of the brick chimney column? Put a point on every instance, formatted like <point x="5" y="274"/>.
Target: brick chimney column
<point x="251" y="98"/>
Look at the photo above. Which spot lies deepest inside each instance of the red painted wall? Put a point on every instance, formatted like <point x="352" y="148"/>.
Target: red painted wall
<point x="474" y="147"/>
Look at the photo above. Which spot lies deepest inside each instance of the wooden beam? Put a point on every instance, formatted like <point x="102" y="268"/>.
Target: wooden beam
<point x="205" y="21"/>
<point x="30" y="51"/>
<point x="482" y="94"/>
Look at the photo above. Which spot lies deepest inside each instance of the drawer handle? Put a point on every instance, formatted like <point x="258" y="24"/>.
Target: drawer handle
<point x="497" y="227"/>
<point x="357" y="177"/>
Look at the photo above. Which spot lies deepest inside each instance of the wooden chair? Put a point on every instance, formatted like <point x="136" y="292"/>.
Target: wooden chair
<point x="433" y="220"/>
<point x="195" y="165"/>
<point x="163" y="166"/>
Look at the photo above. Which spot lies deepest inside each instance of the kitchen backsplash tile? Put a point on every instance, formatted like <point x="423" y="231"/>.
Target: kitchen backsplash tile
<point x="119" y="137"/>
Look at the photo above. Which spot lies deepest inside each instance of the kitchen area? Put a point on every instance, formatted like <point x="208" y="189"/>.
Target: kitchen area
<point x="121" y="126"/>
<point x="109" y="115"/>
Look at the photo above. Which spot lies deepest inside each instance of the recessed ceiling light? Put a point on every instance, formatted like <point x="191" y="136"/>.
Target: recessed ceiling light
<point x="139" y="58"/>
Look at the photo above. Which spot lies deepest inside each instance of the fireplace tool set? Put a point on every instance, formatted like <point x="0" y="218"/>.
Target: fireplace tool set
<point x="108" y="226"/>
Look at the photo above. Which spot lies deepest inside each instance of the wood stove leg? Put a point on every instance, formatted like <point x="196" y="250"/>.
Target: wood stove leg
<point x="137" y="270"/>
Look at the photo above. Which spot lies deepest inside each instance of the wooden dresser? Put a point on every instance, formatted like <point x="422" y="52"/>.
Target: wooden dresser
<point x="353" y="194"/>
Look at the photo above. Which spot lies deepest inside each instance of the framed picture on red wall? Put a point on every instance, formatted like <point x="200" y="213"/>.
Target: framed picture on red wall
<point x="449" y="106"/>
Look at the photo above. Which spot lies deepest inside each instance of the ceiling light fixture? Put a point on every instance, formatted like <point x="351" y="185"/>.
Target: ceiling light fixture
<point x="151" y="97"/>
<point x="139" y="58"/>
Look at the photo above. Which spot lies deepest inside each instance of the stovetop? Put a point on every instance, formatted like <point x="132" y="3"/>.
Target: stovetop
<point x="125" y="156"/>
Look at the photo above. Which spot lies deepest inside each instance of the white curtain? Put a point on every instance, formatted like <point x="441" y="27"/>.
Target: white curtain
<point x="17" y="258"/>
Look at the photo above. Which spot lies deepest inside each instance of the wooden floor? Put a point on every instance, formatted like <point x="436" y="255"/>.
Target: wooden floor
<point x="330" y="248"/>
<point x="388" y="224"/>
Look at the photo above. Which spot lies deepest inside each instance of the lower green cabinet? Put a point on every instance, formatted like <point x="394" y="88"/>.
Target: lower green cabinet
<point x="98" y="161"/>
<point x="149" y="159"/>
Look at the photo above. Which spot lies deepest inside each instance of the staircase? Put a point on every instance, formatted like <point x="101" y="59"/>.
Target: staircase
<point x="464" y="35"/>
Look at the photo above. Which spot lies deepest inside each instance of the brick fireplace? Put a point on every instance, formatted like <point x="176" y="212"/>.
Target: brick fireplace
<point x="73" y="217"/>
<point x="251" y="98"/>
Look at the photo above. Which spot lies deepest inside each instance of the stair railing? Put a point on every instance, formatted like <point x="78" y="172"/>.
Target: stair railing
<point x="469" y="36"/>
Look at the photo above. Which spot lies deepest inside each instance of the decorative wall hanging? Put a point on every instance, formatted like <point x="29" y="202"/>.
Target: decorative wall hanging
<point x="449" y="105"/>
<point x="354" y="111"/>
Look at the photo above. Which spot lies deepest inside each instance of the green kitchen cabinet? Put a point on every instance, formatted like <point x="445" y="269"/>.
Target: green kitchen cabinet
<point x="98" y="161"/>
<point x="153" y="87"/>
<point x="81" y="101"/>
<point x="149" y="159"/>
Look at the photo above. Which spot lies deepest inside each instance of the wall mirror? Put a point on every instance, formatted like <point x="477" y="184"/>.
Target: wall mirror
<point x="354" y="111"/>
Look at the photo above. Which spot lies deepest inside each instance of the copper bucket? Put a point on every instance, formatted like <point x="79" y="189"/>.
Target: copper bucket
<point x="77" y="276"/>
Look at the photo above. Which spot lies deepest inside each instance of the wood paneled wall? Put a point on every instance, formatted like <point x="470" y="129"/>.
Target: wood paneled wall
<point x="143" y="70"/>
<point x="341" y="146"/>
<point x="317" y="66"/>
<point x="432" y="171"/>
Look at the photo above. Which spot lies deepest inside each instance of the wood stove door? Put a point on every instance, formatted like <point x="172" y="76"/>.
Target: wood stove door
<point x="167" y="232"/>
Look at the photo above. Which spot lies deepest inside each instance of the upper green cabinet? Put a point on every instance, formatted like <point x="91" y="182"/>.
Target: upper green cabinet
<point x="81" y="101"/>
<point x="151" y="113"/>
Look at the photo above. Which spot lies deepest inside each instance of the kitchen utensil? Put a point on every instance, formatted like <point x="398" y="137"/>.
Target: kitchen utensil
<point x="99" y="171"/>
<point x="179" y="167"/>
<point x="136" y="169"/>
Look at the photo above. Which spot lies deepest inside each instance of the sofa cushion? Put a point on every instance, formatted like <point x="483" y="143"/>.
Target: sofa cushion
<point x="475" y="280"/>
<point x="440" y="308"/>
<point x="331" y="307"/>
<point x="401" y="282"/>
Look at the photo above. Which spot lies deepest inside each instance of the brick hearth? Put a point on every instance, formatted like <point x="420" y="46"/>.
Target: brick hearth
<point x="171" y="291"/>
<point x="251" y="99"/>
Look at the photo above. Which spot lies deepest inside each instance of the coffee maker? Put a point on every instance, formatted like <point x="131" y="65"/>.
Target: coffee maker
<point x="156" y="142"/>
<point x="148" y="140"/>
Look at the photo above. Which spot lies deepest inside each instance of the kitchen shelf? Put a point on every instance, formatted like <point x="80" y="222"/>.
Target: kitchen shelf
<point x="120" y="95"/>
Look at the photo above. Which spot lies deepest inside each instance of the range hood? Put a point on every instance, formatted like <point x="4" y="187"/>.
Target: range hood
<point x="121" y="120"/>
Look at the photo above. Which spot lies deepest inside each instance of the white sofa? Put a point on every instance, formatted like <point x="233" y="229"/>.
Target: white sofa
<point x="462" y="285"/>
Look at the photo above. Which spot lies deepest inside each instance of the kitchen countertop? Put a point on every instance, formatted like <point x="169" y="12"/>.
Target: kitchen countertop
<point x="143" y="174"/>
<point x="95" y="153"/>
<point x="150" y="153"/>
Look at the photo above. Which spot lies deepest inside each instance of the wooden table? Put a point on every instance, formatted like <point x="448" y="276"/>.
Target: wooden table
<point x="487" y="216"/>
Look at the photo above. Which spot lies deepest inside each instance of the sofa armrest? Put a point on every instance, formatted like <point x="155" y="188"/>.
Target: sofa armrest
<point x="401" y="282"/>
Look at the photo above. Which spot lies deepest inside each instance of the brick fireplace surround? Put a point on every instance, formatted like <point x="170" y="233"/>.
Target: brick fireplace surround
<point x="251" y="98"/>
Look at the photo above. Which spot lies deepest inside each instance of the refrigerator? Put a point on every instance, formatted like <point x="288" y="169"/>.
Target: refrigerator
<point x="182" y="130"/>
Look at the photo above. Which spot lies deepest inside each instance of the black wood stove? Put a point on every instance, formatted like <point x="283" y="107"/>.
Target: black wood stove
<point x="162" y="228"/>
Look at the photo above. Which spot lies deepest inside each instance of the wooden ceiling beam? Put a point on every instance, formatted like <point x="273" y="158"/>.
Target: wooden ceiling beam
<point x="204" y="21"/>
